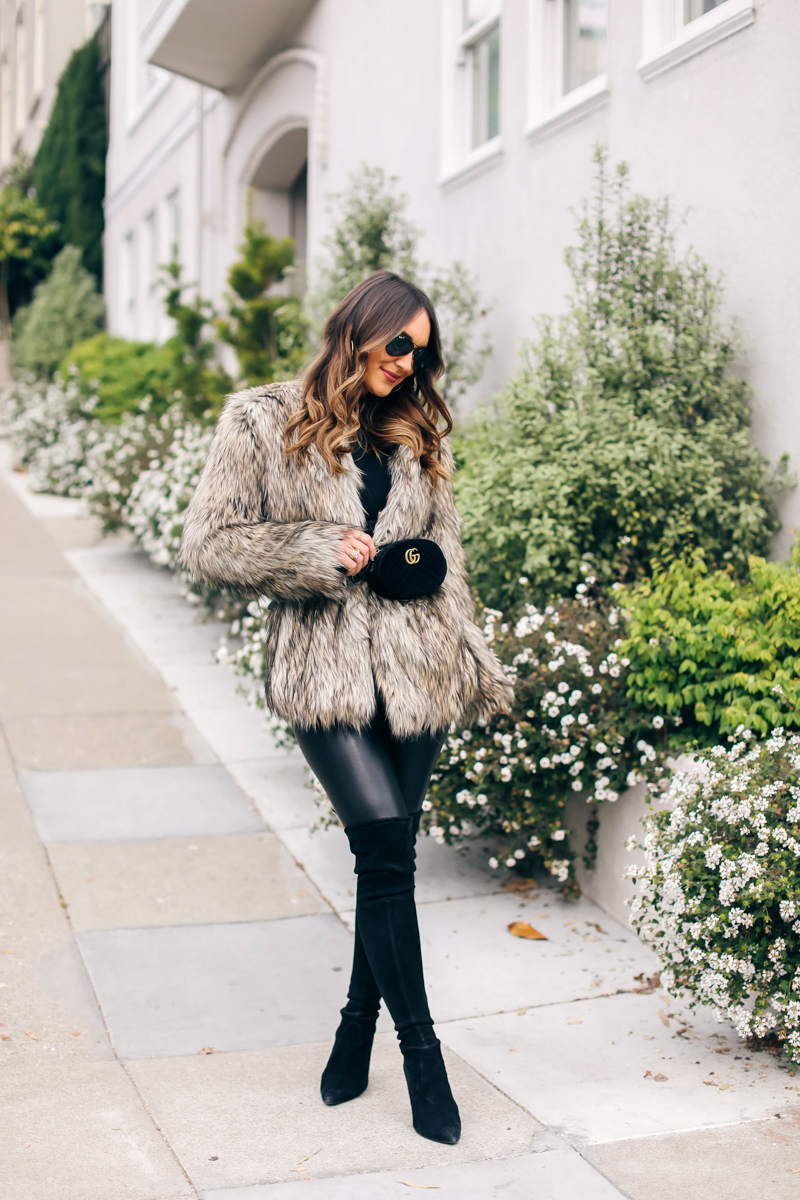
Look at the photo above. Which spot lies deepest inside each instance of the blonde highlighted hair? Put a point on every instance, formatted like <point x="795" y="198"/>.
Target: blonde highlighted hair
<point x="334" y="408"/>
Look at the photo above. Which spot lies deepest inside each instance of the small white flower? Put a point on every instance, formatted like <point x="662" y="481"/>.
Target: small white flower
<point x="576" y="785"/>
<point x="519" y="854"/>
<point x="426" y="806"/>
<point x="493" y="863"/>
<point x="511" y="862"/>
<point x="481" y="798"/>
<point x="534" y="841"/>
<point x="558" y="835"/>
<point x="658" y="722"/>
<point x="597" y="689"/>
<point x="601" y="747"/>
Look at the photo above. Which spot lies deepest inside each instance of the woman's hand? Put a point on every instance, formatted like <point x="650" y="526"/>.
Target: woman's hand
<point x="355" y="550"/>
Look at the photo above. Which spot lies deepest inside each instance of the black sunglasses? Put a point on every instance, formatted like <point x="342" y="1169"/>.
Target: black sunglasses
<point x="402" y="345"/>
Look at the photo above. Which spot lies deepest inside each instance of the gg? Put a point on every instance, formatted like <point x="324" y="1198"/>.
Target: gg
<point x="412" y="555"/>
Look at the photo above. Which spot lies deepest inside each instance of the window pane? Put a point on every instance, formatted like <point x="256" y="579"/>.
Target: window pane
<point x="692" y="9"/>
<point x="585" y="41"/>
<point x="486" y="87"/>
<point x="476" y="10"/>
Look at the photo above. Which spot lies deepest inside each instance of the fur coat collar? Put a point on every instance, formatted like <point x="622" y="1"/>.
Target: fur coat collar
<point x="266" y="523"/>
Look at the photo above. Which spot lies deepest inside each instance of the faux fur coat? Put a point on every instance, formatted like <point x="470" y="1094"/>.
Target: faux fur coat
<point x="265" y="522"/>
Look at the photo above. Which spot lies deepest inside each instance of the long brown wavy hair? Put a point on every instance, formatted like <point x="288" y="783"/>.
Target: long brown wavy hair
<point x="334" y="407"/>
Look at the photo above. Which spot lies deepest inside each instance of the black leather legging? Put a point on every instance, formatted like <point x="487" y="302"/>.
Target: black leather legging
<point x="376" y="784"/>
<point x="367" y="774"/>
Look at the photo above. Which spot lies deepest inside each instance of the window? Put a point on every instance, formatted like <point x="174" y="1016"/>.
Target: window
<point x="151" y="306"/>
<point x="677" y="30"/>
<point x="692" y="9"/>
<point x="568" y="62"/>
<point x="174" y="225"/>
<point x="480" y="42"/>
<point x="21" y="106"/>
<point x="128" y="282"/>
<point x="584" y="41"/>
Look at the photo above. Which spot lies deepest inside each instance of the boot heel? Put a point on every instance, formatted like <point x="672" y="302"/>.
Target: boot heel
<point x="347" y="1072"/>
<point x="434" y="1111"/>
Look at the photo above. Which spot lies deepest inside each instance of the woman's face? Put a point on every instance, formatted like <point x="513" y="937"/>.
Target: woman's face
<point x="384" y="372"/>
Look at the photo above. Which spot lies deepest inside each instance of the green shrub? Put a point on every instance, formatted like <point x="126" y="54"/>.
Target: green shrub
<point x="198" y="381"/>
<point x="69" y="170"/>
<point x="26" y="238"/>
<point x="268" y="333"/>
<point x="65" y="309"/>
<point x="121" y="373"/>
<point x="718" y="897"/>
<point x="572" y="729"/>
<point x="715" y="652"/>
<point x="624" y="431"/>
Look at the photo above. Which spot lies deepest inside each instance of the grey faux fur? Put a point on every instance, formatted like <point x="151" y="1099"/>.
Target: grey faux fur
<point x="265" y="522"/>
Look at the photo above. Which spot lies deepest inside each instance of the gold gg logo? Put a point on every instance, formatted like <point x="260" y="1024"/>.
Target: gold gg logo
<point x="412" y="555"/>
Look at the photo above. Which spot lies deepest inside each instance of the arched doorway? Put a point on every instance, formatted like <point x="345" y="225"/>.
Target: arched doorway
<point x="279" y="195"/>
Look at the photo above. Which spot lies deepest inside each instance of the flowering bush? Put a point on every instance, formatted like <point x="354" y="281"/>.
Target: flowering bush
<point x="572" y="730"/>
<point x="719" y="894"/>
<point x="159" y="497"/>
<point x="45" y="423"/>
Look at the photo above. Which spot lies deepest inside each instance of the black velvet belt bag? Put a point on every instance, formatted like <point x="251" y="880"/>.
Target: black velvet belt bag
<point x="405" y="570"/>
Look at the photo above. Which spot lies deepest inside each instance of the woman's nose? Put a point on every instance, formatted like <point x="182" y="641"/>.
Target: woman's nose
<point x="406" y="363"/>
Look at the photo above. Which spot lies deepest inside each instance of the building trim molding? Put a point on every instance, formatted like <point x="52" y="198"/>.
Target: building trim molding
<point x="319" y="123"/>
<point x="573" y="108"/>
<point x="715" y="26"/>
<point x="481" y="160"/>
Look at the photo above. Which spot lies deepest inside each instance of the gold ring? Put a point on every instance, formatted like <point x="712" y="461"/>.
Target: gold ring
<point x="355" y="555"/>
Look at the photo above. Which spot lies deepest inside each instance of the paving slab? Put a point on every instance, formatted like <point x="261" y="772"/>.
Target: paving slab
<point x="475" y="966"/>
<point x="73" y="532"/>
<point x="137" y="802"/>
<point x="86" y="740"/>
<point x="549" y="1175"/>
<point x="590" y="1070"/>
<point x="47" y="1007"/>
<point x="278" y="787"/>
<point x="236" y="732"/>
<point x="80" y="1132"/>
<point x="175" y="991"/>
<point x="181" y="881"/>
<point x="241" y="1119"/>
<point x="742" y="1161"/>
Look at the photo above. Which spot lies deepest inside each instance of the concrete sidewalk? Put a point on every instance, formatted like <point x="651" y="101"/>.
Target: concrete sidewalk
<point x="175" y="946"/>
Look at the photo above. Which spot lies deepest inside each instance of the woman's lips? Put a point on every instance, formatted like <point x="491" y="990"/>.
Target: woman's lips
<point x="392" y="378"/>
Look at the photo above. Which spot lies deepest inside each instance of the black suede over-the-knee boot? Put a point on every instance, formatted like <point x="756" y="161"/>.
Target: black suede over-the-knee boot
<point x="386" y="917"/>
<point x="346" y="1074"/>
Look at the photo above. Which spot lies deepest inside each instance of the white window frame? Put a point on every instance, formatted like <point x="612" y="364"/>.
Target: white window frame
<point x="549" y="108"/>
<point x="668" y="42"/>
<point x="460" y="162"/>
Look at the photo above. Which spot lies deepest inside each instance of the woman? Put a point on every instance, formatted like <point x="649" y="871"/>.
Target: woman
<point x="300" y="489"/>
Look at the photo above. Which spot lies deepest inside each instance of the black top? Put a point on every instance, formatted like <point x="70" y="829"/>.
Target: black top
<point x="375" y="480"/>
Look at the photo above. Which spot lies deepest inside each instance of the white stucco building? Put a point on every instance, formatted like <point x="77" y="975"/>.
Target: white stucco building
<point x="487" y="110"/>
<point x="37" y="38"/>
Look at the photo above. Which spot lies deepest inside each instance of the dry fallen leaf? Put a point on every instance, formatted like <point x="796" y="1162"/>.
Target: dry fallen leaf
<point x="208" y="1050"/>
<point x="723" y="1087"/>
<point x="519" y="885"/>
<point x="574" y="1022"/>
<point x="709" y="1083"/>
<point x="6" y="951"/>
<point x="425" y="1186"/>
<point x="662" y="1018"/>
<point x="659" y="1078"/>
<point x="214" y="1158"/>
<point x="5" y="1037"/>
<point x="522" y="929"/>
<point x="32" y="1036"/>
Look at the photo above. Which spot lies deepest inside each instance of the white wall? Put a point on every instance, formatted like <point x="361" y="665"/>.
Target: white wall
<point x="719" y="132"/>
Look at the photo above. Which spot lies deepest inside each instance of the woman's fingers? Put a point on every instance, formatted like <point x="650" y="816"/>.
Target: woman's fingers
<point x="355" y="550"/>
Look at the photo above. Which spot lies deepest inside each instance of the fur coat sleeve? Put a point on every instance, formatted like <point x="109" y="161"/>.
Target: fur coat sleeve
<point x="227" y="542"/>
<point x="494" y="685"/>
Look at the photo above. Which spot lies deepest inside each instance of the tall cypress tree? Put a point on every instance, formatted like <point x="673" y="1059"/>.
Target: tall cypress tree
<point x="70" y="166"/>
